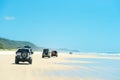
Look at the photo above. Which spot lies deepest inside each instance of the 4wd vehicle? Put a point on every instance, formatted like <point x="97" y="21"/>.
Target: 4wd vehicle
<point x="54" y="53"/>
<point x="23" y="55"/>
<point x="46" y="53"/>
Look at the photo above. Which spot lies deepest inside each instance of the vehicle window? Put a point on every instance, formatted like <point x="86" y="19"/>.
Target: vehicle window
<point x="23" y="50"/>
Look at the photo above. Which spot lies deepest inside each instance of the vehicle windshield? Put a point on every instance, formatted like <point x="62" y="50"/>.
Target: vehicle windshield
<point x="23" y="50"/>
<point x="46" y="50"/>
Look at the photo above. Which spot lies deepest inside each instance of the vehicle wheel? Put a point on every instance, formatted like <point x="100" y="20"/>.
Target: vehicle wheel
<point x="16" y="62"/>
<point x="56" y="55"/>
<point x="30" y="62"/>
<point x="48" y="56"/>
<point x="24" y="55"/>
<point x="42" y="56"/>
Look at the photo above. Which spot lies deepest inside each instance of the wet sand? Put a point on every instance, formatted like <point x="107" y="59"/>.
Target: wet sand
<point x="64" y="67"/>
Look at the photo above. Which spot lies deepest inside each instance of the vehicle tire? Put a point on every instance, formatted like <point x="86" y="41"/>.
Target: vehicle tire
<point x="24" y="55"/>
<point x="48" y="56"/>
<point x="16" y="62"/>
<point x="42" y="56"/>
<point x="30" y="62"/>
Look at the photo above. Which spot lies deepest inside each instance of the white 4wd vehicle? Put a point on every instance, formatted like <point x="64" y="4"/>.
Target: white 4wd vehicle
<point x="23" y="55"/>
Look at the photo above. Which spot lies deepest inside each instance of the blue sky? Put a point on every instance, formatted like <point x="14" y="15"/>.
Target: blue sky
<point x="87" y="25"/>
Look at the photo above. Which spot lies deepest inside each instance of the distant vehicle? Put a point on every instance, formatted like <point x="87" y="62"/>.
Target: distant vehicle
<point x="70" y="53"/>
<point x="54" y="53"/>
<point x="23" y="55"/>
<point x="46" y="53"/>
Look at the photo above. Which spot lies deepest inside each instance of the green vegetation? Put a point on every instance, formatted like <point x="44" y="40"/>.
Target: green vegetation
<point x="1" y="46"/>
<point x="6" y="44"/>
<point x="11" y="44"/>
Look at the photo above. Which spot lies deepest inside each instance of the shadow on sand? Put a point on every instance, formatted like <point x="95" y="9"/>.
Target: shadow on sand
<point x="21" y="64"/>
<point x="45" y="58"/>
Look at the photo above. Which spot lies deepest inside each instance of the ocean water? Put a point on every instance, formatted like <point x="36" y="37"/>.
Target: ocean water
<point x="103" y="69"/>
<point x="94" y="53"/>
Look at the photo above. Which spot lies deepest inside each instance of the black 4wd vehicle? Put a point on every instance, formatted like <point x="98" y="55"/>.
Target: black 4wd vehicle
<point x="23" y="55"/>
<point x="46" y="53"/>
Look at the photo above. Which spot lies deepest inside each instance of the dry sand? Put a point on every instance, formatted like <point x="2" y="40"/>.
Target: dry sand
<point x="46" y="69"/>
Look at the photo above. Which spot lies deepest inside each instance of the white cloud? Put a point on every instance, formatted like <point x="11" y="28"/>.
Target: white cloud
<point x="9" y="18"/>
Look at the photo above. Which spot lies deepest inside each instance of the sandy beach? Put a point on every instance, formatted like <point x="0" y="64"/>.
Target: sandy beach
<point x="64" y="67"/>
